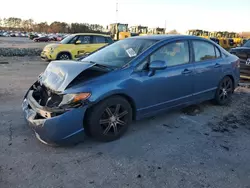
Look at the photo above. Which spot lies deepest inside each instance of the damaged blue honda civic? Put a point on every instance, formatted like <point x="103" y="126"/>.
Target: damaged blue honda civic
<point x="101" y="94"/>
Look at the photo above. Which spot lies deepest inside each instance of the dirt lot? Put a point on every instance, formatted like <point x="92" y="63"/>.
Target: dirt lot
<point x="199" y="147"/>
<point x="20" y="42"/>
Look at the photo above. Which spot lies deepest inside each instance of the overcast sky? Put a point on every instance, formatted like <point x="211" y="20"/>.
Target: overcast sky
<point x="231" y="15"/>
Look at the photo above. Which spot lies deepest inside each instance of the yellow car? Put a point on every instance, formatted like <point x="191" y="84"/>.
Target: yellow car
<point x="75" y="46"/>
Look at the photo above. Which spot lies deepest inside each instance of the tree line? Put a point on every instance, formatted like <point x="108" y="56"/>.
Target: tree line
<point x="17" y="24"/>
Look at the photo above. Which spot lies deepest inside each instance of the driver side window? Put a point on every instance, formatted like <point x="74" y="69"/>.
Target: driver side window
<point x="73" y="41"/>
<point x="175" y="53"/>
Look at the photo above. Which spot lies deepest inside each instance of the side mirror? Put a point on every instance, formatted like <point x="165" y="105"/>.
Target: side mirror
<point x="78" y="42"/>
<point x="158" y="65"/>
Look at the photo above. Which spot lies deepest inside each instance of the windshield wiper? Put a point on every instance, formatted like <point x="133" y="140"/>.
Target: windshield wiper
<point x="101" y="65"/>
<point x="104" y="66"/>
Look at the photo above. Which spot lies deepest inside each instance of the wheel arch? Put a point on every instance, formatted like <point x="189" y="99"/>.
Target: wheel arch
<point x="62" y="52"/>
<point x="232" y="78"/>
<point x="123" y="95"/>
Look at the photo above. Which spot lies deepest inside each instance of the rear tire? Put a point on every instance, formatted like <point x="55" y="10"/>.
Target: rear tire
<point x="224" y="91"/>
<point x="109" y="119"/>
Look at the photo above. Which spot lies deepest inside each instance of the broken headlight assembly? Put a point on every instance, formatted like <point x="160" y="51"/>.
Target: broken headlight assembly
<point x="73" y="100"/>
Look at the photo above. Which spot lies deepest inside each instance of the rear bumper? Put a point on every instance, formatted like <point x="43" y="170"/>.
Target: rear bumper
<point x="244" y="70"/>
<point x="66" y="128"/>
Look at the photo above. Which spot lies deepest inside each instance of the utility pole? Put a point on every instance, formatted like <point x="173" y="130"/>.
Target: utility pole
<point x="165" y="26"/>
<point x="116" y="11"/>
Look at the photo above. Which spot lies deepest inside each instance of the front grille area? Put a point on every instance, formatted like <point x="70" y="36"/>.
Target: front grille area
<point x="46" y="97"/>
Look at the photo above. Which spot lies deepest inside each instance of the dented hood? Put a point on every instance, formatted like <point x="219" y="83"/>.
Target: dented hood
<point x="59" y="74"/>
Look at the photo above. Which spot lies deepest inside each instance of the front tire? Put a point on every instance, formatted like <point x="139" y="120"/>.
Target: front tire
<point x="63" y="56"/>
<point x="224" y="91"/>
<point x="109" y="119"/>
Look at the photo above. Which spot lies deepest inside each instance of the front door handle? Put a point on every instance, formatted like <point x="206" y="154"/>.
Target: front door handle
<point x="186" y="71"/>
<point x="217" y="65"/>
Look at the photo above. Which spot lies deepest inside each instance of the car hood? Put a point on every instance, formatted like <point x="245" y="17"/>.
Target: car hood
<point x="51" y="46"/>
<point x="59" y="74"/>
<point x="240" y="48"/>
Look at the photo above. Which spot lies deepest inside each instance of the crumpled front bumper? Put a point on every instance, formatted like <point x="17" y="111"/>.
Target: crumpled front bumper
<point x="65" y="128"/>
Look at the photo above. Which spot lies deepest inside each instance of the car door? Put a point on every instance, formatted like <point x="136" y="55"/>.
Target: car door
<point x="208" y="64"/>
<point x="166" y="88"/>
<point x="98" y="42"/>
<point x="83" y="45"/>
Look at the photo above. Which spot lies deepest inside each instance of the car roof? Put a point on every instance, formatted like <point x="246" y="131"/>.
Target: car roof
<point x="97" y="34"/>
<point x="167" y="37"/>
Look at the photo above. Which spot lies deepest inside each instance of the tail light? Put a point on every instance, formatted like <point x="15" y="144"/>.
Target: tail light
<point x="236" y="64"/>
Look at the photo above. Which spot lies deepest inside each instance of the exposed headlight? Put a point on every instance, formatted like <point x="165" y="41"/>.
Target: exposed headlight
<point x="73" y="99"/>
<point x="52" y="49"/>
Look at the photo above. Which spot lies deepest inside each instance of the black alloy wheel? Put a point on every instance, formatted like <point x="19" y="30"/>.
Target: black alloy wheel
<point x="110" y="119"/>
<point x="113" y="119"/>
<point x="224" y="91"/>
<point x="63" y="56"/>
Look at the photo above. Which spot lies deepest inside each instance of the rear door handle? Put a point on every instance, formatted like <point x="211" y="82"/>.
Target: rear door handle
<point x="217" y="65"/>
<point x="186" y="71"/>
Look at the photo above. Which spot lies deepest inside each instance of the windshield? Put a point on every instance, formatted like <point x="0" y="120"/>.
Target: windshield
<point x="133" y="30"/>
<point x="144" y="30"/>
<point x="122" y="28"/>
<point x="120" y="53"/>
<point x="67" y="39"/>
<point x="247" y="44"/>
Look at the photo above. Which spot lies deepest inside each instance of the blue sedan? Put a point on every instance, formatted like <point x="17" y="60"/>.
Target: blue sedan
<point x="128" y="80"/>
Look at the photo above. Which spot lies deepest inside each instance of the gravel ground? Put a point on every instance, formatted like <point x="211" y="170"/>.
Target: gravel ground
<point x="18" y="46"/>
<point x="198" y="147"/>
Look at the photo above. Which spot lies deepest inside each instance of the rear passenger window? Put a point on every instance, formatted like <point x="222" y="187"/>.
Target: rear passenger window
<point x="203" y="51"/>
<point x="98" y="40"/>
<point x="217" y="52"/>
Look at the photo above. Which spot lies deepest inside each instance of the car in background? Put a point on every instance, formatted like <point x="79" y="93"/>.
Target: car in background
<point x="18" y="34"/>
<point x="41" y="39"/>
<point x="59" y="37"/>
<point x="33" y="36"/>
<point x="128" y="80"/>
<point x="12" y="35"/>
<point x="75" y="46"/>
<point x="243" y="52"/>
<point x="6" y="34"/>
<point x="53" y="37"/>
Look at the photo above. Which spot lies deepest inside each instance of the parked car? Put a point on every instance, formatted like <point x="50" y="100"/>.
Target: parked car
<point x="75" y="46"/>
<point x="42" y="39"/>
<point x="13" y="35"/>
<point x="59" y="38"/>
<point x="53" y="38"/>
<point x="128" y="80"/>
<point x="33" y="36"/>
<point x="6" y="34"/>
<point x="243" y="53"/>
